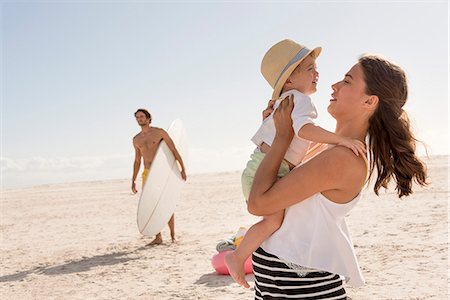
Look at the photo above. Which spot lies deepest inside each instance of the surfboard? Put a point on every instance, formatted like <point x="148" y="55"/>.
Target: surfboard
<point x="164" y="184"/>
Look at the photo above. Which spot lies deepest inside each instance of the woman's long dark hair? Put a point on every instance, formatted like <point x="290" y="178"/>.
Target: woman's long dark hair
<point x="391" y="141"/>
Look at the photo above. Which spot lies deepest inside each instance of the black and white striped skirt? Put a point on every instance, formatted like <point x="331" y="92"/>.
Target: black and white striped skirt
<point x="274" y="279"/>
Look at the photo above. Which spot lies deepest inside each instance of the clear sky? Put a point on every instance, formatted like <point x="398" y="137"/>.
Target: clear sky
<point x="73" y="74"/>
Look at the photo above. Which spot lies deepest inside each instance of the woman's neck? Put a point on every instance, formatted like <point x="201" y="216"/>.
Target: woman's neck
<point x="354" y="129"/>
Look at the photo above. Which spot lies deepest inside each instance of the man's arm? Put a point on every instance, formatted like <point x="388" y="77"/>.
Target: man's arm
<point x="136" y="167"/>
<point x="174" y="150"/>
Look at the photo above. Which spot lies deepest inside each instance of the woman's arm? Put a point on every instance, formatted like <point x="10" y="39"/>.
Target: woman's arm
<point x="337" y="172"/>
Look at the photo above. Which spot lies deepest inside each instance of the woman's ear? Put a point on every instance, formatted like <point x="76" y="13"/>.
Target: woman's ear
<point x="372" y="102"/>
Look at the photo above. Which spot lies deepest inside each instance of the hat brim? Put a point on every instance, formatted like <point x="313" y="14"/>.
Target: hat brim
<point x="277" y="90"/>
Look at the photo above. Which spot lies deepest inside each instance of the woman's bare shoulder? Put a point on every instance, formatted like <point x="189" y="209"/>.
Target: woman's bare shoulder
<point x="343" y="167"/>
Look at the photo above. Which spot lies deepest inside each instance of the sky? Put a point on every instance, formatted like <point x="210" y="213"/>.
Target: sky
<point x="74" y="72"/>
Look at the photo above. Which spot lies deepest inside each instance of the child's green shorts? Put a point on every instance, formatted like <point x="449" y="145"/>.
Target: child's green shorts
<point x="250" y="170"/>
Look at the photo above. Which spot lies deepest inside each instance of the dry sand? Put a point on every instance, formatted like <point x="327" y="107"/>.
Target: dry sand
<point x="80" y="241"/>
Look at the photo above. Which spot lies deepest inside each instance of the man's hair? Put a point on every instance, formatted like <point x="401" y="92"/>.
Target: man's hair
<point x="145" y="112"/>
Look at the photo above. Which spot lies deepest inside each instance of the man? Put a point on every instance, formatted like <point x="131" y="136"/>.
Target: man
<point x="145" y="144"/>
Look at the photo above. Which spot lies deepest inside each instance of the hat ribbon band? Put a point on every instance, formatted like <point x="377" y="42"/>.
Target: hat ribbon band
<point x="296" y="58"/>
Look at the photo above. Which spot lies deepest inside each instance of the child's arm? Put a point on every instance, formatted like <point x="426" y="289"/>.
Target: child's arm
<point x="317" y="134"/>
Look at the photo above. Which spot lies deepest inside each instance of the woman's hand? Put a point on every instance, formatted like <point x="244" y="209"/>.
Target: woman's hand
<point x="283" y="120"/>
<point x="266" y="174"/>
<point x="268" y="110"/>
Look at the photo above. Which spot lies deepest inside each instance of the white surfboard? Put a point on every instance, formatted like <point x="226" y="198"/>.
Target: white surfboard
<point x="164" y="184"/>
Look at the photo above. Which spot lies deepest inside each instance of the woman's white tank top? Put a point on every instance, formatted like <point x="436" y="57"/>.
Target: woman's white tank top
<point x="314" y="234"/>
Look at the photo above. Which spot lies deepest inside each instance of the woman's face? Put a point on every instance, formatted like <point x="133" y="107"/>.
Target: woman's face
<point x="348" y="95"/>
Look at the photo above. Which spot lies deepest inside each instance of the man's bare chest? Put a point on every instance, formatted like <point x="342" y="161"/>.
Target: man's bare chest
<point x="148" y="142"/>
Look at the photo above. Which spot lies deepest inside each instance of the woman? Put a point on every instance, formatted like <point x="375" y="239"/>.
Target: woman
<point x="312" y="251"/>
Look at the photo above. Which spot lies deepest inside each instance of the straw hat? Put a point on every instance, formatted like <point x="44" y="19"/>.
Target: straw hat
<point x="281" y="60"/>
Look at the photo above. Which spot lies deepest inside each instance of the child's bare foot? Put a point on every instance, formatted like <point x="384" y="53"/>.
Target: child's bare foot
<point x="156" y="241"/>
<point x="236" y="268"/>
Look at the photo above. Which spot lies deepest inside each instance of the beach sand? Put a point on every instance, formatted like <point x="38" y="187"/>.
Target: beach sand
<point x="80" y="241"/>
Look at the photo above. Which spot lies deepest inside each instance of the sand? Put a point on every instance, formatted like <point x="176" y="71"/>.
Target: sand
<point x="80" y="241"/>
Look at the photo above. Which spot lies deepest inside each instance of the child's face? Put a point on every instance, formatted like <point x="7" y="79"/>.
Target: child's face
<point x="304" y="78"/>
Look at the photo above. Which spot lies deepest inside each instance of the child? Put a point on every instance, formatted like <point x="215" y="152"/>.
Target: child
<point x="291" y="71"/>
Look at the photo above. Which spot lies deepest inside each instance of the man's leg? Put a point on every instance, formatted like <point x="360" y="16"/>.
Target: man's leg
<point x="156" y="241"/>
<point x="172" y="227"/>
<point x="158" y="238"/>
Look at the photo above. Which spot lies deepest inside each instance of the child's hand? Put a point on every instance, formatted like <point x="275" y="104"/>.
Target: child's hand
<point x="268" y="110"/>
<point x="282" y="118"/>
<point x="355" y="145"/>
